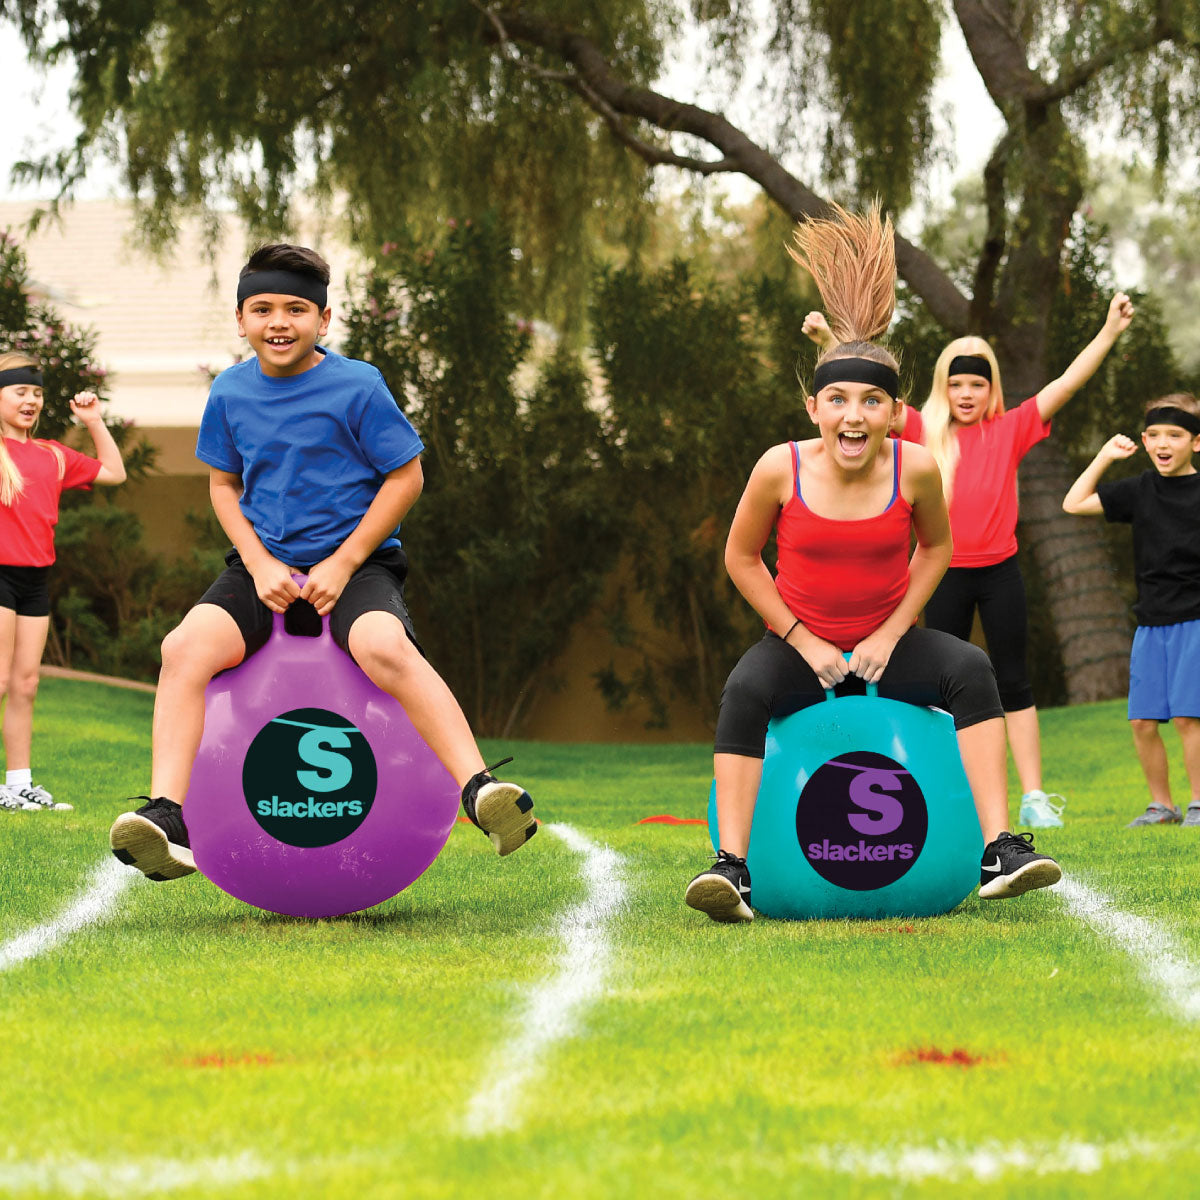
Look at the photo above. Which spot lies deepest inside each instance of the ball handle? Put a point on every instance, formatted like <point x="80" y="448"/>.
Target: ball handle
<point x="279" y="632"/>
<point x="872" y="689"/>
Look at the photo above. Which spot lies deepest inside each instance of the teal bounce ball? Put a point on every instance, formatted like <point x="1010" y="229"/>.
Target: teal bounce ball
<point x="863" y="811"/>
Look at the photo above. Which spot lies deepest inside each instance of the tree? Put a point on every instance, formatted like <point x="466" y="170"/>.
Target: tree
<point x="406" y="106"/>
<point x="699" y="380"/>
<point x="517" y="528"/>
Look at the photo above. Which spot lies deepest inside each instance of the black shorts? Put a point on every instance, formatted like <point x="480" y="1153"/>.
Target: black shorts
<point x="25" y="590"/>
<point x="926" y="668"/>
<point x="998" y="592"/>
<point x="377" y="586"/>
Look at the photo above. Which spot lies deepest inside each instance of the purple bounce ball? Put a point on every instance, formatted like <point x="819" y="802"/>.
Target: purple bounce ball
<point x="312" y="794"/>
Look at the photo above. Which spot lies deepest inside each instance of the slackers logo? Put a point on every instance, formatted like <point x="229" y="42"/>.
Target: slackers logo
<point x="309" y="777"/>
<point x="861" y="820"/>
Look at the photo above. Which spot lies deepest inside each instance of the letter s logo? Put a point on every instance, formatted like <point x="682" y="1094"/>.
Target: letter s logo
<point x="890" y="812"/>
<point x="314" y="749"/>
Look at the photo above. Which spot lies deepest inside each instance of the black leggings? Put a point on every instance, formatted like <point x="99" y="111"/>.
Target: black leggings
<point x="927" y="667"/>
<point x="999" y="593"/>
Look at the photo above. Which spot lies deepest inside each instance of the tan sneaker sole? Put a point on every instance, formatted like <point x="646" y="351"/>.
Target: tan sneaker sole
<point x="504" y="812"/>
<point x="716" y="897"/>
<point x="140" y="843"/>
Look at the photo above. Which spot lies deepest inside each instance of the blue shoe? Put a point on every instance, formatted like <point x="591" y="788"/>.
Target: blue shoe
<point x="1039" y="812"/>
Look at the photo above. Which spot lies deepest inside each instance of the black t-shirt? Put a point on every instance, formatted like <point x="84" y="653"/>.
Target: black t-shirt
<point x="1165" y="514"/>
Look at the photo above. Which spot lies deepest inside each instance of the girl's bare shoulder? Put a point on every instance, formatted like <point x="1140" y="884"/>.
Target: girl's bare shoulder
<point x="775" y="461"/>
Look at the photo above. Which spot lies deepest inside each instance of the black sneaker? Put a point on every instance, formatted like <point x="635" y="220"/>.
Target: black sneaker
<point x="154" y="839"/>
<point x="723" y="891"/>
<point x="1010" y="867"/>
<point x="504" y="811"/>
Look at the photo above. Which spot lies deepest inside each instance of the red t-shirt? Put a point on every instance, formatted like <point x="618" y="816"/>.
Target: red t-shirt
<point x="843" y="579"/>
<point x="27" y="528"/>
<point x="983" y="505"/>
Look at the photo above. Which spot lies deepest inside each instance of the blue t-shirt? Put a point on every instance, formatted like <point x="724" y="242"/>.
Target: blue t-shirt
<point x="312" y="450"/>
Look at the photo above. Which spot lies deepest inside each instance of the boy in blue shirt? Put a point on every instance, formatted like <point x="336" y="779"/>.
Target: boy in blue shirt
<point x="312" y="468"/>
<point x="1163" y="505"/>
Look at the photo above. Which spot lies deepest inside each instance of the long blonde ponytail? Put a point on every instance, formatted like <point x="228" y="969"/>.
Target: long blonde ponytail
<point x="852" y="259"/>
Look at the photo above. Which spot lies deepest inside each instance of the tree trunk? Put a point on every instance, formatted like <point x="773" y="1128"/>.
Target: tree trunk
<point x="1088" y="611"/>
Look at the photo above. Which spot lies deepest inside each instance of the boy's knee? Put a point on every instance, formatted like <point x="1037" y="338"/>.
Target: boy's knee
<point x="195" y="645"/>
<point x="379" y="642"/>
<point x="176" y="647"/>
<point x="1144" y="729"/>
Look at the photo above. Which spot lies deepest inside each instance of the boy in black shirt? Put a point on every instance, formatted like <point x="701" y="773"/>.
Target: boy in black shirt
<point x="1163" y="505"/>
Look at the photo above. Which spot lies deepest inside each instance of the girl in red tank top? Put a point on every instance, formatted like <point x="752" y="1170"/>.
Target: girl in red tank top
<point x="843" y="579"/>
<point x="845" y="507"/>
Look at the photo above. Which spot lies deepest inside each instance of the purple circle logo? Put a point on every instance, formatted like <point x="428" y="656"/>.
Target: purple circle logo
<point x="861" y="820"/>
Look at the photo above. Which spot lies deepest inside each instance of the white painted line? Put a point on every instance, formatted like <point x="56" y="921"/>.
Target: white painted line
<point x="554" y="1008"/>
<point x="108" y="881"/>
<point x="989" y="1162"/>
<point x="1161" y="960"/>
<point x="133" y="1176"/>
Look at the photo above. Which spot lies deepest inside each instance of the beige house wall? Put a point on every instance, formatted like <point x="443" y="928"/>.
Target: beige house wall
<point x="160" y="321"/>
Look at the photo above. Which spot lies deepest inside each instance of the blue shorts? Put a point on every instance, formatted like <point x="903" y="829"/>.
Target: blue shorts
<point x="1164" y="672"/>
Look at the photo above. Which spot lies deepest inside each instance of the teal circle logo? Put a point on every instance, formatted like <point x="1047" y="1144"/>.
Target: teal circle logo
<point x="309" y="777"/>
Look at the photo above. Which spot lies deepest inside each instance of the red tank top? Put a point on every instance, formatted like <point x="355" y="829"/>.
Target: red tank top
<point x="843" y="579"/>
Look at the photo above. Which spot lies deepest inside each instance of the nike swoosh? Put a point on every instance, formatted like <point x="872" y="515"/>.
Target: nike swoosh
<point x="989" y="867"/>
<point x="745" y="891"/>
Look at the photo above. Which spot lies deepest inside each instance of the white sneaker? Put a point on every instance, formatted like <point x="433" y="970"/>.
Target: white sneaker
<point x="9" y="800"/>
<point x="1039" y="812"/>
<point x="35" y="798"/>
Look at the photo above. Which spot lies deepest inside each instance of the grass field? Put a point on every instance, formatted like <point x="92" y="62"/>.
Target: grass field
<point x="558" y="1024"/>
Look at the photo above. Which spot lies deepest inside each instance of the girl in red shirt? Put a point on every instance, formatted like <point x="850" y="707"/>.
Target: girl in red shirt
<point x="844" y="507"/>
<point x="34" y="472"/>
<point x="979" y="445"/>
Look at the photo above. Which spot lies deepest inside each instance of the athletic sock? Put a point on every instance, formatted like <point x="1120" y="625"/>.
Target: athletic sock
<point x="19" y="778"/>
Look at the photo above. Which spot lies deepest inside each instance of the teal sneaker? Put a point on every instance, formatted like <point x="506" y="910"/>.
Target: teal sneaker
<point x="1157" y="814"/>
<point x="1039" y="811"/>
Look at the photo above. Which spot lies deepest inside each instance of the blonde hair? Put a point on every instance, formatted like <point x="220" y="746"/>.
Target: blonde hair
<point x="940" y="433"/>
<point x="12" y="483"/>
<point x="1184" y="401"/>
<point x="852" y="259"/>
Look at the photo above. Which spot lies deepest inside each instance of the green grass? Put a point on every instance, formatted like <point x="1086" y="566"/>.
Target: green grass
<point x="188" y="1045"/>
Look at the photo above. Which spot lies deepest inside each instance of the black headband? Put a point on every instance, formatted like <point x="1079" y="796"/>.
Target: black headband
<point x="1157" y="416"/>
<point x="857" y="370"/>
<point x="970" y="364"/>
<point x="282" y="283"/>
<point x="21" y="375"/>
